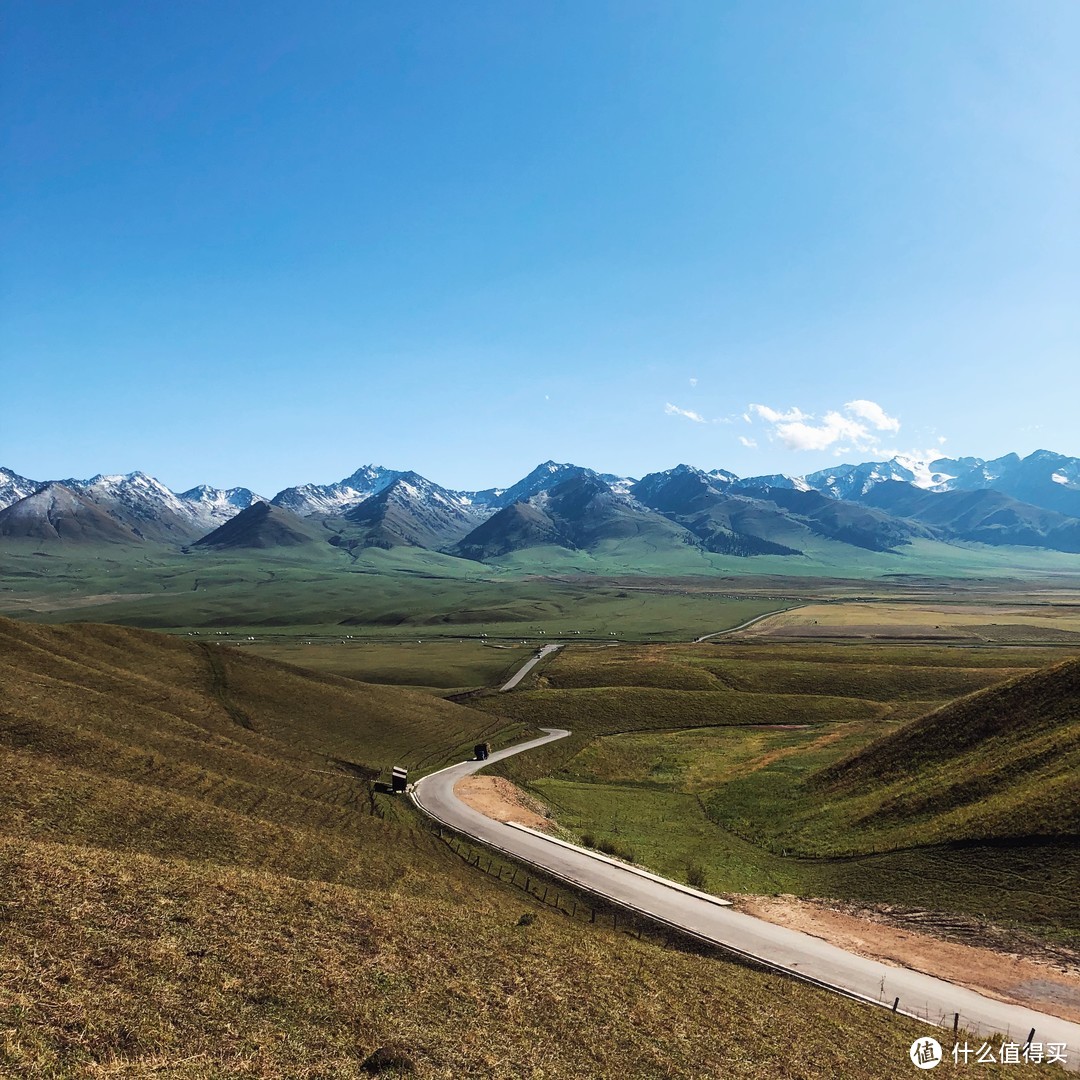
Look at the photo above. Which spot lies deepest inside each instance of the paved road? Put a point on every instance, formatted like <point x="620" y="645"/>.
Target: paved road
<point x="788" y="950"/>
<point x="744" y="625"/>
<point x="525" y="668"/>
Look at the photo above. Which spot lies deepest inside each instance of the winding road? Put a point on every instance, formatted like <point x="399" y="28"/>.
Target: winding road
<point x="797" y="954"/>
<point x="525" y="668"/>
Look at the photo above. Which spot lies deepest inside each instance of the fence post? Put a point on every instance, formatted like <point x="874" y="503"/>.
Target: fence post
<point x="895" y="1003"/>
<point x="955" y="1024"/>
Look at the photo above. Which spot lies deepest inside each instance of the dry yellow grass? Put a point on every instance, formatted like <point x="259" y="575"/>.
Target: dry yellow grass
<point x="974" y="623"/>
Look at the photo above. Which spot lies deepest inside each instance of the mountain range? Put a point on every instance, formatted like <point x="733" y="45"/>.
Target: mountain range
<point x="876" y="506"/>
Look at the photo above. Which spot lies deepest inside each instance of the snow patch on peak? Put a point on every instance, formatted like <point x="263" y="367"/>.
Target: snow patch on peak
<point x="923" y="474"/>
<point x="14" y="487"/>
<point x="210" y="507"/>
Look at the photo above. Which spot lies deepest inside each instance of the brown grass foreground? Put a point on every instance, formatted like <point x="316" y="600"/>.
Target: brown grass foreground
<point x="190" y="887"/>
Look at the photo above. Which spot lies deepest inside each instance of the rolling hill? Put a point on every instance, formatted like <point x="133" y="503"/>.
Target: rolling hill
<point x="199" y="880"/>
<point x="1003" y="764"/>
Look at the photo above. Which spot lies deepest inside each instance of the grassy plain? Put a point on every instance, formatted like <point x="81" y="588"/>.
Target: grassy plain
<point x="388" y="596"/>
<point x="441" y="666"/>
<point x="199" y="880"/>
<point x="821" y="558"/>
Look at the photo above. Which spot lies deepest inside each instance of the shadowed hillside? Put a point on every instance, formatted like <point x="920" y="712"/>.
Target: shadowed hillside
<point x="261" y="526"/>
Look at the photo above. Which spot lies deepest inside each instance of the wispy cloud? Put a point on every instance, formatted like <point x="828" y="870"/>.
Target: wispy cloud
<point x="749" y="443"/>
<point x="674" y="410"/>
<point x="693" y="381"/>
<point x="855" y="426"/>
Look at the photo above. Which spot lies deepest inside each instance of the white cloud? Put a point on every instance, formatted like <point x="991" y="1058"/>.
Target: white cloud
<point x="774" y="417"/>
<point x="750" y="443"/>
<point x="693" y="381"/>
<point x="873" y="413"/>
<point x="850" y="426"/>
<point x="674" y="410"/>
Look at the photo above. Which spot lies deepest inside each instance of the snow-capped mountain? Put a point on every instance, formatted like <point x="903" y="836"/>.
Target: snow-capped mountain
<point x="770" y="480"/>
<point x="383" y="506"/>
<point x="579" y="511"/>
<point x="721" y="476"/>
<point x="851" y="481"/>
<point x="211" y="507"/>
<point x="339" y="498"/>
<point x="1045" y="479"/>
<point x="414" y="511"/>
<point x="621" y="485"/>
<point x="142" y="503"/>
<point x="14" y="487"/>
<point x="542" y="478"/>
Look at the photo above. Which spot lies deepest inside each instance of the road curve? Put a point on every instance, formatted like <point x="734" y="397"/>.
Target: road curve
<point x="525" y="668"/>
<point x="787" y="950"/>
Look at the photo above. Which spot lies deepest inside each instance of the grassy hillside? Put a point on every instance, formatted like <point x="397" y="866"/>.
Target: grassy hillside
<point x="597" y="692"/>
<point x="998" y="764"/>
<point x="193" y="885"/>
<point x="723" y="759"/>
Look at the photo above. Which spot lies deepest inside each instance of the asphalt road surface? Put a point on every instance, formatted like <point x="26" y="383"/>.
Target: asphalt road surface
<point x="782" y="948"/>
<point x="525" y="668"/>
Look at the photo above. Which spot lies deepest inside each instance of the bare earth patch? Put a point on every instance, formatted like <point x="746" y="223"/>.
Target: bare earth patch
<point x="498" y="798"/>
<point x="1046" y="978"/>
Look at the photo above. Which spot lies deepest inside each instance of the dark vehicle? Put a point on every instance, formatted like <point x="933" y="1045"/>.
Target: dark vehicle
<point x="482" y="750"/>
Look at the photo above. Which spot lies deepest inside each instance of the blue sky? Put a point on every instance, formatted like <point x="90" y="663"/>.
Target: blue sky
<point x="264" y="244"/>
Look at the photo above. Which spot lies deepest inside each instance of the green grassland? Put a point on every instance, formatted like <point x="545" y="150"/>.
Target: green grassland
<point x="439" y="666"/>
<point x="721" y="760"/>
<point x="198" y="879"/>
<point x="390" y="595"/>
<point x="596" y="692"/>
<point x="821" y="557"/>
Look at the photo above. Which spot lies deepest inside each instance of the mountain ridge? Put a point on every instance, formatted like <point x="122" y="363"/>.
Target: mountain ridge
<point x="877" y="506"/>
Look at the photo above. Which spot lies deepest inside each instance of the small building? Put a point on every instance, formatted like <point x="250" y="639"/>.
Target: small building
<point x="398" y="779"/>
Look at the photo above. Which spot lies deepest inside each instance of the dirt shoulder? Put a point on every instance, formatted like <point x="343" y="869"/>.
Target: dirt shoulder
<point x="1043" y="977"/>
<point x="498" y="798"/>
